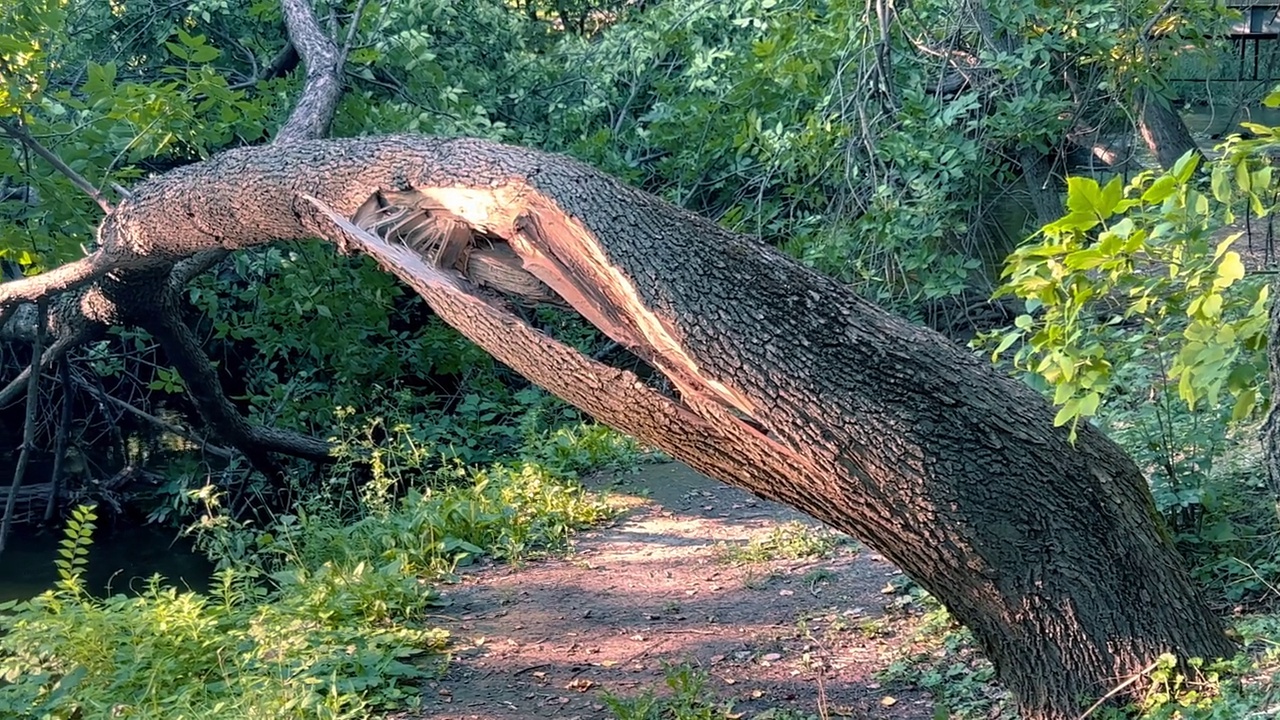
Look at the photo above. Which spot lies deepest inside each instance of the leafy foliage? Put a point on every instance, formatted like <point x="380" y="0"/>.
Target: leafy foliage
<point x="1149" y="255"/>
<point x="1142" y="317"/>
<point x="319" y="615"/>
<point x="689" y="699"/>
<point x="789" y="541"/>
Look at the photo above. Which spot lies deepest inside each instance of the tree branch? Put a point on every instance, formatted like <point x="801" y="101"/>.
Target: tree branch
<point x="322" y="88"/>
<point x="48" y="357"/>
<point x="205" y="445"/>
<point x="29" y="426"/>
<point x="19" y="133"/>
<point x="60" y="441"/>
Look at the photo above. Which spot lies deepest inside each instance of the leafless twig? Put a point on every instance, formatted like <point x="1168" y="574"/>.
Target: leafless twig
<point x="19" y="133"/>
<point x="29" y="425"/>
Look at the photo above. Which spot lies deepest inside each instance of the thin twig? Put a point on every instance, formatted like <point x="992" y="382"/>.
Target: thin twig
<point x="1151" y="24"/>
<point x="351" y="29"/>
<point x="205" y="445"/>
<point x="29" y="426"/>
<point x="19" y="133"/>
<point x="60" y="442"/>
<point x="1117" y="689"/>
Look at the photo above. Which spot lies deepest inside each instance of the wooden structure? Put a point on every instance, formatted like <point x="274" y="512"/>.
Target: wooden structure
<point x="1258" y="23"/>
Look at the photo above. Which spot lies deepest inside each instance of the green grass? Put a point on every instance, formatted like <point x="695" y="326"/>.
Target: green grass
<point x="324" y="614"/>
<point x="686" y="697"/>
<point x="788" y="541"/>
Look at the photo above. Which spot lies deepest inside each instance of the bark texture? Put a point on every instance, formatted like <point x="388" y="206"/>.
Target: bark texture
<point x="1162" y="129"/>
<point x="1270" y="431"/>
<point x="789" y="385"/>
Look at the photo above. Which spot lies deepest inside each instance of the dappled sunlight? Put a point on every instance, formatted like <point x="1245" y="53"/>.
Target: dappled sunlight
<point x="668" y="584"/>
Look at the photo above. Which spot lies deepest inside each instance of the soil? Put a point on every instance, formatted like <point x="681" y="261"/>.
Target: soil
<point x="553" y="638"/>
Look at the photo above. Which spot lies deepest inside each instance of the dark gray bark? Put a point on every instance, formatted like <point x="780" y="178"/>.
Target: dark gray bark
<point x="790" y="385"/>
<point x="1162" y="129"/>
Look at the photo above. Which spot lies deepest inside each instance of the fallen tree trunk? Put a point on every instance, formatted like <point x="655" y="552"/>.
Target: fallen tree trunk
<point x="789" y="384"/>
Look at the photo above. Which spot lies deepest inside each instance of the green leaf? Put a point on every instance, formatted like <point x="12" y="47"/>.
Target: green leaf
<point x="1084" y="196"/>
<point x="1162" y="188"/>
<point x="1066" y="413"/>
<point x="1243" y="179"/>
<point x="1186" y="166"/>
<point x="1005" y="343"/>
<point x="1225" y="245"/>
<point x="1078" y="220"/>
<point x="1089" y="404"/>
<point x="1112" y="194"/>
<point x="1220" y="183"/>
<point x="1230" y="269"/>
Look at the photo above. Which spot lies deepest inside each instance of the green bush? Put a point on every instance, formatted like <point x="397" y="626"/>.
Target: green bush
<point x="322" y="615"/>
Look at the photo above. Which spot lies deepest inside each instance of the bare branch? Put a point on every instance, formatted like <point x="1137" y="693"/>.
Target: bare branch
<point x="322" y="89"/>
<point x="19" y="133"/>
<point x="48" y="357"/>
<point x="60" y="441"/>
<point x="29" y="426"/>
<point x="60" y="279"/>
<point x="1145" y="35"/>
<point x="352" y="27"/>
<point x="205" y="445"/>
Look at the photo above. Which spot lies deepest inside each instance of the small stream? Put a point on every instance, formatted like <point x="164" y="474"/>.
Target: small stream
<point x="120" y="561"/>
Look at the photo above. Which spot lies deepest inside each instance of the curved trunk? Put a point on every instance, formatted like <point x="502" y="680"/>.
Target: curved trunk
<point x="789" y="384"/>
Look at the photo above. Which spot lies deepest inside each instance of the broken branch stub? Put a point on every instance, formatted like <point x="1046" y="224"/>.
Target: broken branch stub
<point x="793" y="386"/>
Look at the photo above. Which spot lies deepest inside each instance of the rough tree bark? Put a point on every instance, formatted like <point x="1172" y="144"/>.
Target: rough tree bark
<point x="149" y="296"/>
<point x="1162" y="129"/>
<point x="789" y="384"/>
<point x="1270" y="431"/>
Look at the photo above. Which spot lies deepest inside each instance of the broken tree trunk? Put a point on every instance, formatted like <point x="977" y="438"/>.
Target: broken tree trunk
<point x="789" y="384"/>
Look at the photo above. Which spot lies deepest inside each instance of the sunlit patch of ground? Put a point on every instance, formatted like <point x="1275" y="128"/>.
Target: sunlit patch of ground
<point x="658" y="588"/>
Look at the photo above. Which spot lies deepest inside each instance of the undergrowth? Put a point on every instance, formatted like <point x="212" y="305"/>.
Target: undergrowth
<point x="324" y="613"/>
<point x="788" y="541"/>
<point x="686" y="697"/>
<point x="941" y="657"/>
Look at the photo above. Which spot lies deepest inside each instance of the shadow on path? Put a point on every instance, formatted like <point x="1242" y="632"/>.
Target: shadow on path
<point x="548" y="639"/>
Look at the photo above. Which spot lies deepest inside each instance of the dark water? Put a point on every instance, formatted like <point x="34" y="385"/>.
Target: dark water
<point x="120" y="561"/>
<point x="1218" y="121"/>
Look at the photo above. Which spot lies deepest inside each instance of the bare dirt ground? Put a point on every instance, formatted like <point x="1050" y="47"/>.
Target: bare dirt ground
<point x="549" y="639"/>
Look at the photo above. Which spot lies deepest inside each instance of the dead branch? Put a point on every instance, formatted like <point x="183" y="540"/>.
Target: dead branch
<point x="203" y="443"/>
<point x="55" y="352"/>
<point x="60" y="441"/>
<point x="19" y="133"/>
<point x="28" y="426"/>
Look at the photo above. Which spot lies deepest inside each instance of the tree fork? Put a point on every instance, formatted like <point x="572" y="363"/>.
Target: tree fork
<point x="125" y="276"/>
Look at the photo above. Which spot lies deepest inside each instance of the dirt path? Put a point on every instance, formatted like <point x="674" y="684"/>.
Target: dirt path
<point x="548" y="639"/>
